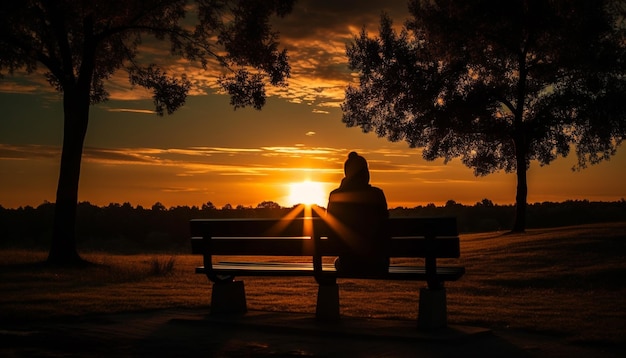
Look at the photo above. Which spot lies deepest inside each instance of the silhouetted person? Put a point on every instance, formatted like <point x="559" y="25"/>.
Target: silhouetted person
<point x="361" y="211"/>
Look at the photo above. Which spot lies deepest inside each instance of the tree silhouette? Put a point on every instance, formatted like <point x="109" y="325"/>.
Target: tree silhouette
<point x="497" y="83"/>
<point x="80" y="44"/>
<point x="268" y="204"/>
<point x="208" y="206"/>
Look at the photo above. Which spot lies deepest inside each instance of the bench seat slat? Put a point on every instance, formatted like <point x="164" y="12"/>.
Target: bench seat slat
<point x="444" y="273"/>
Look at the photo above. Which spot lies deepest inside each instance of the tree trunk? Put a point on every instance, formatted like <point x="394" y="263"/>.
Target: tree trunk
<point x="522" y="184"/>
<point x="520" y="140"/>
<point x="63" y="250"/>
<point x="521" y="198"/>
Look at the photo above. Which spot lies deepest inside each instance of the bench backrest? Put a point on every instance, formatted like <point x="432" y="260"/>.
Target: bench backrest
<point x="410" y="237"/>
<point x="243" y="237"/>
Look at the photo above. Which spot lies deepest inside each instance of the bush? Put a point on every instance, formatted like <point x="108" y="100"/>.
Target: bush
<point x="160" y="267"/>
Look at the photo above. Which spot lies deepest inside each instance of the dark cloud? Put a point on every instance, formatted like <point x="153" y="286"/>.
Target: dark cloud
<point x="312" y="19"/>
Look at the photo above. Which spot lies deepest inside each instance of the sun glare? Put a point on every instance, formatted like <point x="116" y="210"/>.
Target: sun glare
<point x="308" y="193"/>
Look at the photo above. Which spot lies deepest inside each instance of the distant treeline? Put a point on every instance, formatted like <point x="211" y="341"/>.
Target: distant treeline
<point x="129" y="229"/>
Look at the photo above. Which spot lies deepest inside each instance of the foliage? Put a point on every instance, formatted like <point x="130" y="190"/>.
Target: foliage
<point x="268" y="205"/>
<point x="496" y="83"/>
<point x="78" y="45"/>
<point x="67" y="36"/>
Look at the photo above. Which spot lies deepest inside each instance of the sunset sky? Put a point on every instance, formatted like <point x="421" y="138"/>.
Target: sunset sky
<point x="208" y="152"/>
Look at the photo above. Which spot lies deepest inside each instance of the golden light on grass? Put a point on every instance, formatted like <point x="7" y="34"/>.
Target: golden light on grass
<point x="308" y="193"/>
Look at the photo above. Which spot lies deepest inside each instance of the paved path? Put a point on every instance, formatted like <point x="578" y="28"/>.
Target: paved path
<point x="193" y="333"/>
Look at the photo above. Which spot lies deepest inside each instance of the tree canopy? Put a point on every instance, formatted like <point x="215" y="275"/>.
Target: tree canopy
<point x="69" y="37"/>
<point x="78" y="45"/>
<point x="498" y="84"/>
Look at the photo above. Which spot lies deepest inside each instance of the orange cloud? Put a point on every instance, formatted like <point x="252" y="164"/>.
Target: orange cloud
<point x="131" y="110"/>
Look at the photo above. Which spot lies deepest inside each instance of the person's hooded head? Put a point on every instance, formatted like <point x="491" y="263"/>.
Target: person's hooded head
<point x="356" y="172"/>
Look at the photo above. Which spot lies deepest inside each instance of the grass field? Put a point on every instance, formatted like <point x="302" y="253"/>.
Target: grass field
<point x="568" y="282"/>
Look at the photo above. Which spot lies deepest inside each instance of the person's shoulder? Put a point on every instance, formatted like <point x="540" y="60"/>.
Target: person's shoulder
<point x="335" y="191"/>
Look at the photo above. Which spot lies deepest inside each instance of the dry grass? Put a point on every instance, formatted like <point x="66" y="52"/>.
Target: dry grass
<point x="563" y="281"/>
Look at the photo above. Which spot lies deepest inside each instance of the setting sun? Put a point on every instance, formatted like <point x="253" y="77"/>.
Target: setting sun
<point x="308" y="192"/>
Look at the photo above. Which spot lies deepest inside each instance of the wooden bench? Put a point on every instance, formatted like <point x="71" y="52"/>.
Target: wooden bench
<point x="314" y="239"/>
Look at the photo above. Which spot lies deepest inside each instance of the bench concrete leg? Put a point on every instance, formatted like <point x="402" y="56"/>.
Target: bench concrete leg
<point x="432" y="312"/>
<point x="228" y="298"/>
<point x="327" y="303"/>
